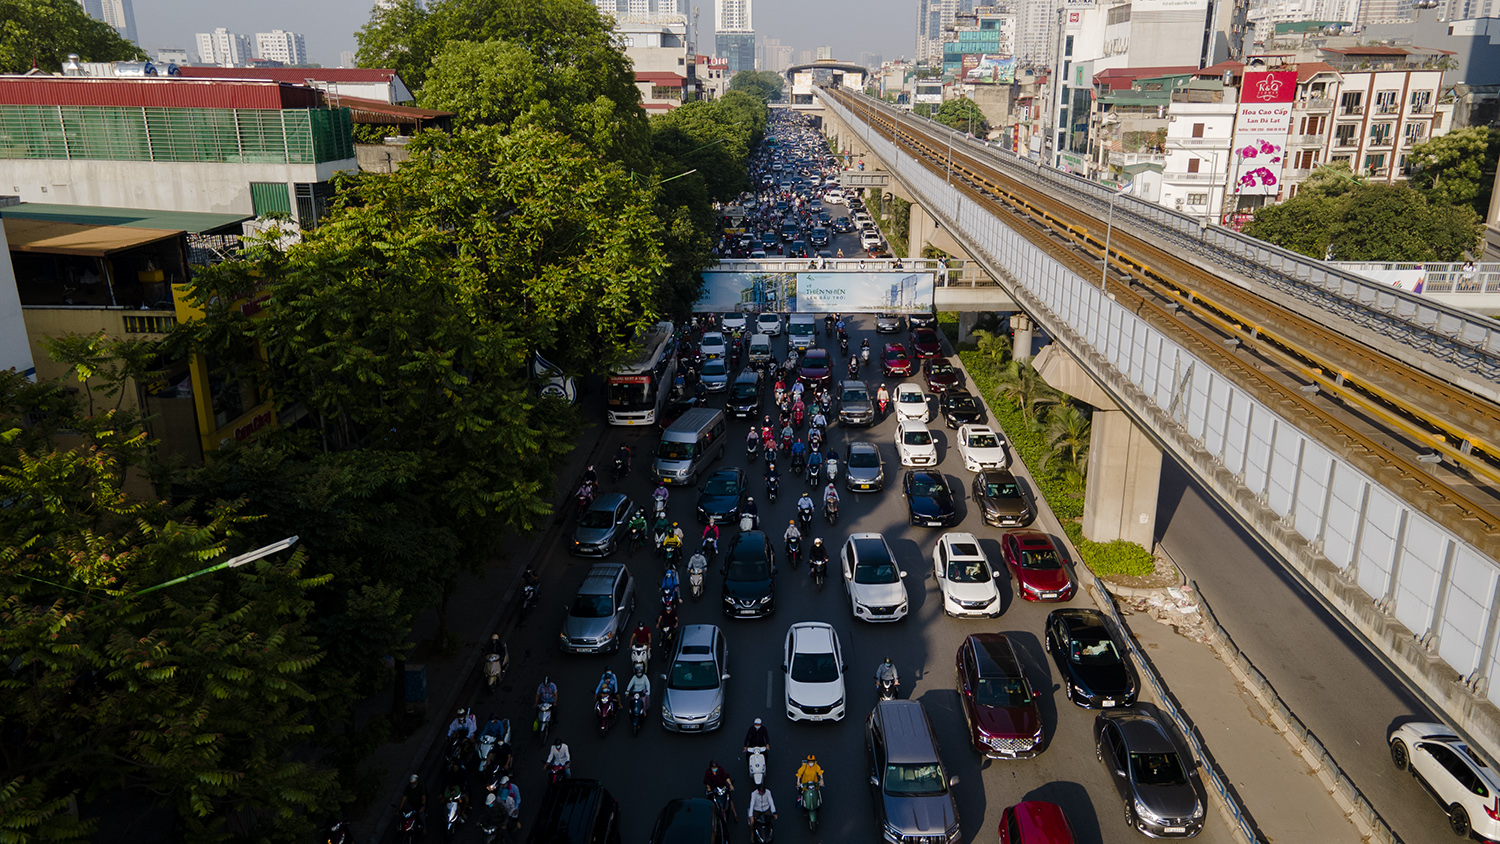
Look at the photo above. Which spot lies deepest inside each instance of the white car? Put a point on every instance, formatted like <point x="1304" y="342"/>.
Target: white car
<point x="712" y="345"/>
<point x="813" y="664"/>
<point x="965" y="578"/>
<point x="982" y="448"/>
<point x="872" y="578"/>
<point x="869" y="238"/>
<point x="1462" y="784"/>
<point x="834" y="197"/>
<point x="735" y="322"/>
<point x="768" y="324"/>
<point x="911" y="403"/>
<point x="915" y="444"/>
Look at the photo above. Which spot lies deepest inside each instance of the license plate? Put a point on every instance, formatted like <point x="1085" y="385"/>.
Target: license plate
<point x="688" y="728"/>
<point x="1175" y="829"/>
<point x="1049" y="594"/>
<point x="1109" y="701"/>
<point x="865" y="486"/>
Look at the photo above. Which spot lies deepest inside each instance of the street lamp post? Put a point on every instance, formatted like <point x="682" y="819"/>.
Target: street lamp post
<point x="1109" y="229"/>
<point x="232" y="562"/>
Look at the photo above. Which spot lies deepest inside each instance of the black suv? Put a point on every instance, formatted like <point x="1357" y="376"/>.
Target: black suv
<point x="744" y="395"/>
<point x="577" y="811"/>
<point x="748" y="568"/>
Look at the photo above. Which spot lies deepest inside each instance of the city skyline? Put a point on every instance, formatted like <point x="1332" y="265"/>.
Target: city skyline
<point x="886" y="27"/>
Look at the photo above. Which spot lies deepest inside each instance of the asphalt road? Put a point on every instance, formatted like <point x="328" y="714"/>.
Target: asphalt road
<point x="646" y="771"/>
<point x="1341" y="691"/>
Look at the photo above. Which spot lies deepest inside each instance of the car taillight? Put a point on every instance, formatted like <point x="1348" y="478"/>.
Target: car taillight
<point x="1494" y="811"/>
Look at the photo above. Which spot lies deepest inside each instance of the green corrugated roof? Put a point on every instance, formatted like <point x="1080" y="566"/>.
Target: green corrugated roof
<point x="193" y="222"/>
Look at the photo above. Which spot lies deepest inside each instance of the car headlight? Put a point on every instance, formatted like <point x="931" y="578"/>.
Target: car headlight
<point x="838" y="703"/>
<point x="891" y="832"/>
<point x="563" y="638"/>
<point x="1030" y="588"/>
<point x="1198" y="812"/>
<point x="1145" y="814"/>
<point x="717" y="711"/>
<point x="607" y="636"/>
<point x="766" y="600"/>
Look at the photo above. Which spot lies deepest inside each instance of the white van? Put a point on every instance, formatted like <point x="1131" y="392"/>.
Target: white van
<point x="691" y="443"/>
<point x="760" y="350"/>
<point x="802" y="333"/>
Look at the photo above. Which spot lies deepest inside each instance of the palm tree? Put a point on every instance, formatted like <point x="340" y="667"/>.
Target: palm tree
<point x="1068" y="430"/>
<point x="993" y="348"/>
<point x="1021" y="383"/>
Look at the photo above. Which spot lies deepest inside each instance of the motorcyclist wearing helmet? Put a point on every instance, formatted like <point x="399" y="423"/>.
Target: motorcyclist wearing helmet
<point x="673" y="539"/>
<point x="804" y="504"/>
<point x="590" y="477"/>
<point x="667" y="621"/>
<point x="622" y="456"/>
<point x="639" y="682"/>
<point x="887" y="671"/>
<point x="642" y="634"/>
<point x="757" y="736"/>
<point x="809" y="771"/>
<point x="465" y="723"/>
<point x="818" y="553"/>
<point x="717" y="777"/>
<point x="546" y="692"/>
<point x="830" y="495"/>
<point x="661" y="493"/>
<point x="751" y="507"/>
<point x="670" y="583"/>
<point x="883" y="396"/>
<point x="529" y="577"/>
<point x="608" y="683"/>
<point x="791" y="532"/>
<point x="415" y="796"/>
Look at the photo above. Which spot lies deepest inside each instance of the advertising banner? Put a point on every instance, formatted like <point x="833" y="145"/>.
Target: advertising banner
<point x="993" y="69"/>
<point x="817" y="292"/>
<point x="1261" y="127"/>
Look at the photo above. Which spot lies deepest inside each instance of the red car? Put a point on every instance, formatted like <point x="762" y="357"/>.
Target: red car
<point x="815" y="370"/>
<point x="1035" y="822"/>
<point x="895" y="361"/>
<point x="999" y="705"/>
<point x="925" y="343"/>
<point x="940" y="375"/>
<point x="1037" y="566"/>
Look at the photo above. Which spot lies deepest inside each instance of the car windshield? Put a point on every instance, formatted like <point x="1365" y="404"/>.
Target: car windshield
<point x="969" y="571"/>
<point x="911" y="397"/>
<point x="1002" y="489"/>
<point x="596" y="518"/>
<point x="915" y="779"/>
<point x="816" y="358"/>
<point x="814" y="668"/>
<point x="855" y="395"/>
<point x="693" y="675"/>
<point x="1039" y="559"/>
<point x="895" y="356"/>
<point x="876" y="572"/>
<point x="1157" y="769"/>
<point x="768" y="319"/>
<point x="925" y="335"/>
<point x="984" y="441"/>
<point x="672" y="450"/>
<point x="757" y="568"/>
<point x="862" y="458"/>
<point x="712" y="343"/>
<point x="942" y="369"/>
<point x="927" y="485"/>
<point x="722" y="485"/>
<point x="961" y="403"/>
<point x="592" y="606"/>
<point x="995" y="691"/>
<point x="915" y="437"/>
<point x="1100" y="651"/>
<point x="743" y="391"/>
<point x="714" y="367"/>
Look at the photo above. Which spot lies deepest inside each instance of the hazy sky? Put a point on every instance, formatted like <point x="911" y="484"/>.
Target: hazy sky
<point x="887" y="27"/>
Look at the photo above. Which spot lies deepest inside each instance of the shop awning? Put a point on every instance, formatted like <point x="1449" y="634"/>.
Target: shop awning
<point x="49" y="237"/>
<point x="193" y="222"/>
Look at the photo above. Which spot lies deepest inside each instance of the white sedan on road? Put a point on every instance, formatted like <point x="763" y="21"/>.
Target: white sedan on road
<point x="768" y="324"/>
<point x="965" y="578"/>
<point x="915" y="444"/>
<point x="982" y="448"/>
<point x="911" y="403"/>
<point x="872" y="578"/>
<point x="813" y="664"/>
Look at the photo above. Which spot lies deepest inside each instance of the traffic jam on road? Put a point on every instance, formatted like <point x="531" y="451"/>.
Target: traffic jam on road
<point x="745" y="473"/>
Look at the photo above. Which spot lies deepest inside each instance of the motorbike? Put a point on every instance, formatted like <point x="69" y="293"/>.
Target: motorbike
<point x="556" y="773"/>
<point x="815" y="439"/>
<point x="671" y="553"/>
<point x="853" y="367"/>
<point x="831" y="467"/>
<point x="710" y="548"/>
<point x="799" y="463"/>
<point x="696" y="573"/>
<point x="637" y="539"/>
<point x="827" y="326"/>
<point x="720" y="795"/>
<point x="622" y="468"/>
<point x="585" y="496"/>
<point x="804" y="518"/>
<point x="819" y="571"/>
<point x="338" y="832"/>
<point x="786" y="443"/>
<point x="543" y="723"/>
<point x="773" y="485"/>
<point x="607" y="709"/>
<point x="495" y="664"/>
<point x="660" y="507"/>
<point x="831" y="510"/>
<point x="811" y="800"/>
<point x="530" y="594"/>
<point x="844" y="345"/>
<point x="668" y="637"/>
<point x="757" y="763"/>
<point x="799" y="411"/>
<point x="794" y="551"/>
<point x="752" y="449"/>
<point x="762" y="833"/>
<point x="453" y="817"/>
<point x="411" y="827"/>
<point x="640" y="655"/>
<point x="886" y="688"/>
<point x="864" y="356"/>
<point x="884" y="403"/>
<point x="748" y="522"/>
<point x="486" y="743"/>
<point x="637" y="711"/>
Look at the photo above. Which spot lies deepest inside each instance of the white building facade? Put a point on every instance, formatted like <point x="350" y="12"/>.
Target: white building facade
<point x="223" y="48"/>
<point x="278" y="45"/>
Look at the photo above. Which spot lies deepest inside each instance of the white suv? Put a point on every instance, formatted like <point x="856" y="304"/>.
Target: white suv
<point x="814" y="666"/>
<point x="872" y="578"/>
<point x="1461" y="782"/>
<point x="915" y="444"/>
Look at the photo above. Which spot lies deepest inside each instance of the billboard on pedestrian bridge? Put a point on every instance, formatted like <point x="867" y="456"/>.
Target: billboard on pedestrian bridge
<point x="817" y="292"/>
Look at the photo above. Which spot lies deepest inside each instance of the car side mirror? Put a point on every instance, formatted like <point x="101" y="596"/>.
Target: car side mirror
<point x="724" y="677"/>
<point x="1037" y="694"/>
<point x="903" y="574"/>
<point x="664" y="677"/>
<point x="874" y="780"/>
<point x="953" y="780"/>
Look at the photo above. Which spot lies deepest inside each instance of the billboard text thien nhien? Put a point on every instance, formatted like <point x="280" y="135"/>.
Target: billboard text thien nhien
<point x="817" y="292"/>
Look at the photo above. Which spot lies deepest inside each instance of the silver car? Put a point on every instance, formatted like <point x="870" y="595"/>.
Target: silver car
<point x="596" y="619"/>
<point x="715" y="375"/>
<point x="887" y="323"/>
<point x="695" y="681"/>
<point x="602" y="526"/>
<point x="863" y="468"/>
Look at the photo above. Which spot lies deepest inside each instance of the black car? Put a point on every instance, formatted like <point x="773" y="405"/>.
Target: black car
<point x="818" y="237"/>
<point x="744" y="394"/>
<point x="929" y="499"/>
<point x="1002" y="500"/>
<point x="843" y="225"/>
<point x="749" y="590"/>
<point x="927" y="320"/>
<point x="721" y="496"/>
<point x="1096" y="670"/>
<point x="577" y="811"/>
<point x="689" y="820"/>
<point x="960" y="407"/>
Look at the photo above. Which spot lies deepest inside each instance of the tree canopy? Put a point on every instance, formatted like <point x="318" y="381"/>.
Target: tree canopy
<point x="42" y="33"/>
<point x="1457" y="168"/>
<point x="963" y="114"/>
<point x="1353" y="220"/>
<point x="764" y="85"/>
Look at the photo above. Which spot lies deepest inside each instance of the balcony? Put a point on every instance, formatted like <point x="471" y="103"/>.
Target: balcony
<point x="1421" y="108"/>
<point x="1352" y="111"/>
<point x="1380" y="140"/>
<point x="1387" y="108"/>
<point x="1377" y="172"/>
<point x="1412" y="140"/>
<point x="1311" y="139"/>
<point x="1296" y="174"/>
<point x="1198" y="143"/>
<point x="1345" y="141"/>
<point x="1125" y="159"/>
<point x="1315" y="103"/>
<point x="1184" y="176"/>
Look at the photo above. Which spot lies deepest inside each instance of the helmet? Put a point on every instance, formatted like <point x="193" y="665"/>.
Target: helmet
<point x="639" y="669"/>
<point x="674" y="524"/>
<point x="757" y="722"/>
<point x="818" y="541"/>
<point x="462" y="712"/>
<point x="489" y="799"/>
<point x="750" y="498"/>
<point x="811" y="758"/>
<point x="546" y="681"/>
<point x="413" y="779"/>
<point x="887" y="660"/>
<point x="505" y="780"/>
<point x="792" y="522"/>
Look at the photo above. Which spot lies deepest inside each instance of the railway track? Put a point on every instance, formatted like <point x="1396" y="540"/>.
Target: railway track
<point x="1432" y="417"/>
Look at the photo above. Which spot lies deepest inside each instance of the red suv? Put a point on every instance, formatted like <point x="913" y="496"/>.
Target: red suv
<point x="1035" y="822"/>
<point x="895" y="361"/>
<point x="1037" y="566"/>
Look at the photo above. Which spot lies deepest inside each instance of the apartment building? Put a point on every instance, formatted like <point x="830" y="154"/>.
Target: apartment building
<point x="1388" y="101"/>
<point x="1200" y="134"/>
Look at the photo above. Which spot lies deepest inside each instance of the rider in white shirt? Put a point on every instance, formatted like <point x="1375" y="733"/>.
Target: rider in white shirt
<point x="761" y="803"/>
<point x="560" y="755"/>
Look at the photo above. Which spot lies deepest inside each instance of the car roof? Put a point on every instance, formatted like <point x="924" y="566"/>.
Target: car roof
<point x="908" y="737"/>
<point x="908" y="388"/>
<point x="992" y="475"/>
<point x="951" y="539"/>
<point x="601" y="578"/>
<point x="867" y="542"/>
<point x="812" y="637"/>
<point x="1142" y="732"/>
<point x="1042" y="821"/>
<point x="910" y="423"/>
<point x="686" y="819"/>
<point x="975" y="428"/>
<point x="933" y="474"/>
<point x="994" y="656"/>
<point x="697" y="635"/>
<point x="607" y="501"/>
<point x="850" y="382"/>
<point x="861" y="445"/>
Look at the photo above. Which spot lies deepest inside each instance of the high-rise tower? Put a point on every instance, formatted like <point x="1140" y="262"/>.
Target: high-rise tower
<point x="734" y="34"/>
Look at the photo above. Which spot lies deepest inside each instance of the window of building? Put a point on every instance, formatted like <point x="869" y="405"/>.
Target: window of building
<point x="1068" y="48"/>
<point x="270" y="198"/>
<point x="1197" y="199"/>
<point x="1352" y="102"/>
<point x="313" y="201"/>
<point x="665" y="92"/>
<point x="1119" y="14"/>
<point x="1380" y="134"/>
<point x="1193" y="164"/>
<point x="1338" y="159"/>
<point x="1385" y="102"/>
<point x="1197" y="130"/>
<point x="1343" y="134"/>
<point x="1415" y="133"/>
<point x="1375" y="164"/>
<point x="1313" y="125"/>
<point x="1421" y="102"/>
<point x="1307" y="159"/>
<point x="1403" y="165"/>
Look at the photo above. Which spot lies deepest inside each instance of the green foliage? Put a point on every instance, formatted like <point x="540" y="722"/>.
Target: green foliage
<point x="1363" y="221"/>
<point x="1067" y="429"/>
<point x="1064" y="492"/>
<point x="191" y="697"/>
<point x="41" y="34"/>
<point x="1118" y="558"/>
<point x="764" y="85"/>
<point x="963" y="114"/>
<point x="1457" y="168"/>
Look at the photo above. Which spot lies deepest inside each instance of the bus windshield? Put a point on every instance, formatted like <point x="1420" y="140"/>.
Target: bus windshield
<point x="631" y="393"/>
